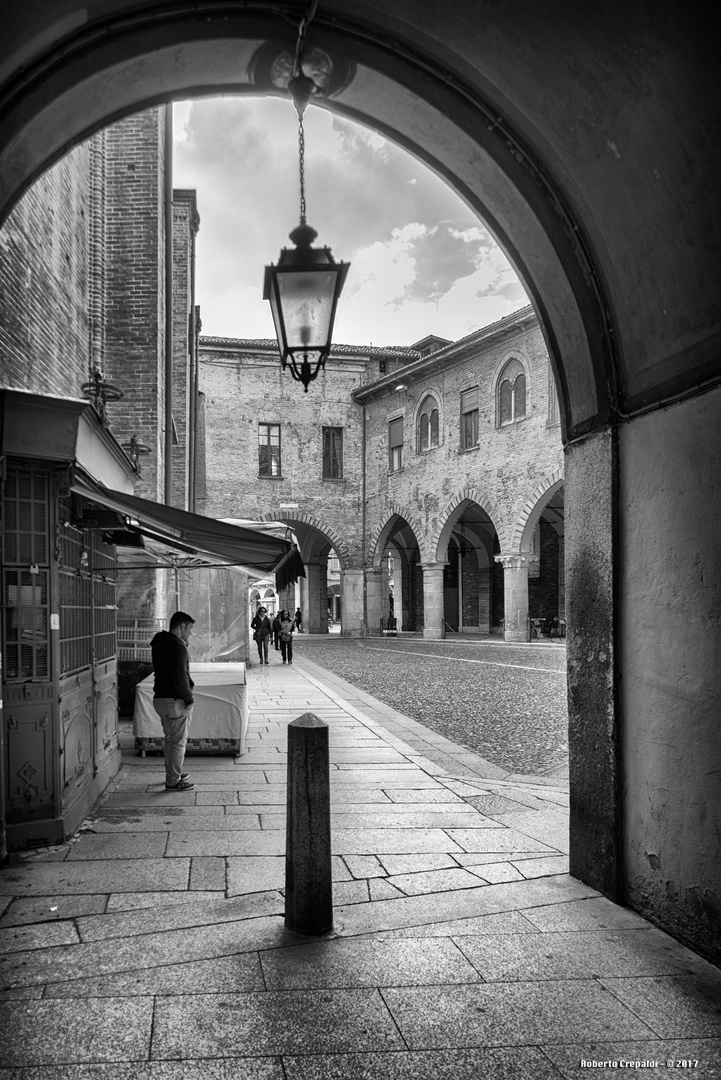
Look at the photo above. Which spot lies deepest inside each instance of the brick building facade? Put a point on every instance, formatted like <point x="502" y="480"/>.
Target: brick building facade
<point x="90" y="296"/>
<point x="434" y="474"/>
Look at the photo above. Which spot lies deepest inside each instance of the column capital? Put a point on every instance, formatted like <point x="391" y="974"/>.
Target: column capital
<point x="514" y="560"/>
<point x="433" y="566"/>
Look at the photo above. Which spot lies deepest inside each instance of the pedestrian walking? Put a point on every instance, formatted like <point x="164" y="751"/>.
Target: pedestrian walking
<point x="299" y="620"/>
<point x="262" y="630"/>
<point x="276" y="629"/>
<point x="287" y="626"/>
<point x="173" y="695"/>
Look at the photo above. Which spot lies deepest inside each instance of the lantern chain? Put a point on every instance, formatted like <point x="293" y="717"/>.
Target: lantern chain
<point x="301" y="161"/>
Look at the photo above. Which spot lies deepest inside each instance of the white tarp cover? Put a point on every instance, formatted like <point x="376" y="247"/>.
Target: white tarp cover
<point x="220" y="710"/>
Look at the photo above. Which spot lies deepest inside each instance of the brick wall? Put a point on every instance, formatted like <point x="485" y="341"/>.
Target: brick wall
<point x="543" y="590"/>
<point x="44" y="290"/>
<point x="245" y="387"/>
<point x="185" y="224"/>
<point x="135" y="282"/>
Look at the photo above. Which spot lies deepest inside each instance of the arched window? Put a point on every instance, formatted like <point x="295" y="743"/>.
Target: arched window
<point x="511" y="393"/>
<point x="428" y="424"/>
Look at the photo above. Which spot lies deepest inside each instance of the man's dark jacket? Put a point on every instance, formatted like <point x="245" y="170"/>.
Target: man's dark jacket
<point x="171" y="665"/>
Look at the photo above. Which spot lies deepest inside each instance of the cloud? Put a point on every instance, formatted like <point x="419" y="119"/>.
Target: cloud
<point x="413" y="244"/>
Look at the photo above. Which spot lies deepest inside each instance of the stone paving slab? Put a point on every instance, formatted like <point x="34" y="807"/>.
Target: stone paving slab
<point x="139" y="901"/>
<point x="344" y="842"/>
<point x="580" y="955"/>
<point x="121" y="844"/>
<point x="502" y="922"/>
<point x="67" y="962"/>
<point x="409" y="864"/>
<point x="43" y="909"/>
<point x="107" y="828"/>
<point x="392" y="819"/>
<point x="124" y="924"/>
<point x="48" y="1032"/>
<point x="490" y="840"/>
<point x="510" y="1014"/>
<point x="482" y="858"/>
<point x="434" y="881"/>
<point x="206" y="872"/>
<point x="44" y="935"/>
<point x="676" y="1007"/>
<point x="521" y="1063"/>
<point x="109" y="875"/>
<point x="541" y="867"/>
<point x="593" y="913"/>
<point x="221" y="975"/>
<point x="276" y="1022"/>
<point x="427" y="796"/>
<point x="255" y="874"/>
<point x="226" y="843"/>
<point x="463" y="903"/>
<point x="352" y="963"/>
<point x="495" y="873"/>
<point x="548" y="826"/>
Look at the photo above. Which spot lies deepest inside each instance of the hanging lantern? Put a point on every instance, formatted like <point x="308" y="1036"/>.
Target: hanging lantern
<point x="303" y="288"/>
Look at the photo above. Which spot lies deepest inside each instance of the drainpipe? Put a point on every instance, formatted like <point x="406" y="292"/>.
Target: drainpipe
<point x="363" y="523"/>
<point x="169" y="304"/>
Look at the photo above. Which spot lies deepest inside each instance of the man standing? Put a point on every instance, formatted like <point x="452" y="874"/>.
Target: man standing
<point x="173" y="695"/>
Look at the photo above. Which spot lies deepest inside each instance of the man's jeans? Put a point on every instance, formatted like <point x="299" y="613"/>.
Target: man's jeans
<point x="175" y="716"/>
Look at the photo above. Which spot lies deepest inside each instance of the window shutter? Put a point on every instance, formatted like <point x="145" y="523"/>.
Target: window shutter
<point x="395" y="432"/>
<point x="469" y="400"/>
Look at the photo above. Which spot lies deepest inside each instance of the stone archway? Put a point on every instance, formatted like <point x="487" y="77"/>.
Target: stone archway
<point x="463" y="585"/>
<point x="400" y="532"/>
<point x="141" y="56"/>
<point x="316" y="541"/>
<point x="576" y="175"/>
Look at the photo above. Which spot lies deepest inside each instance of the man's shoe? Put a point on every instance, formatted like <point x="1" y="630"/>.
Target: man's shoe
<point x="184" y="775"/>
<point x="182" y="785"/>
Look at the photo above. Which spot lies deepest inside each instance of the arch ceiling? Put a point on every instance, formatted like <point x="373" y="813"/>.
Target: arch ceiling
<point x="402" y="529"/>
<point x="467" y="519"/>
<point x="316" y="540"/>
<point x="570" y="136"/>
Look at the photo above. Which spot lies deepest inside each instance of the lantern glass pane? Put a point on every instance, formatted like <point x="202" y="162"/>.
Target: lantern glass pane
<point x="307" y="302"/>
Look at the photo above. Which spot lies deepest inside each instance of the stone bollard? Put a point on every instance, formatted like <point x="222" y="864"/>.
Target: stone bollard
<point x="308" y="874"/>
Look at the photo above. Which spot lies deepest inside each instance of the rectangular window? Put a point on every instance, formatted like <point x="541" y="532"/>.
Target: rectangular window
<point x="268" y="449"/>
<point x="332" y="453"/>
<point x="469" y="418"/>
<point x="395" y="444"/>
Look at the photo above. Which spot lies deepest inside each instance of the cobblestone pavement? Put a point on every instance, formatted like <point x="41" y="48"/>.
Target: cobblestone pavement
<point x="505" y="702"/>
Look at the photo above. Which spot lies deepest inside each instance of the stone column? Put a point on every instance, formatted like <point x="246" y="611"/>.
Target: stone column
<point x="315" y="619"/>
<point x="433" y="625"/>
<point x="515" y="594"/>
<point x="351" y="603"/>
<point x="376" y="608"/>
<point x="302" y="599"/>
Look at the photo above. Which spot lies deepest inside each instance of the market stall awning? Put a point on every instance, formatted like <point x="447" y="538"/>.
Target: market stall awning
<point x="195" y="534"/>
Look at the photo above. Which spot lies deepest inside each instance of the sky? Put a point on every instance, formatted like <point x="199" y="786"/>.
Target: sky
<point x="421" y="261"/>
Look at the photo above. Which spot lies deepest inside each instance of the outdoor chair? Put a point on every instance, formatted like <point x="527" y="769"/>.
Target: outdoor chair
<point x="550" y="627"/>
